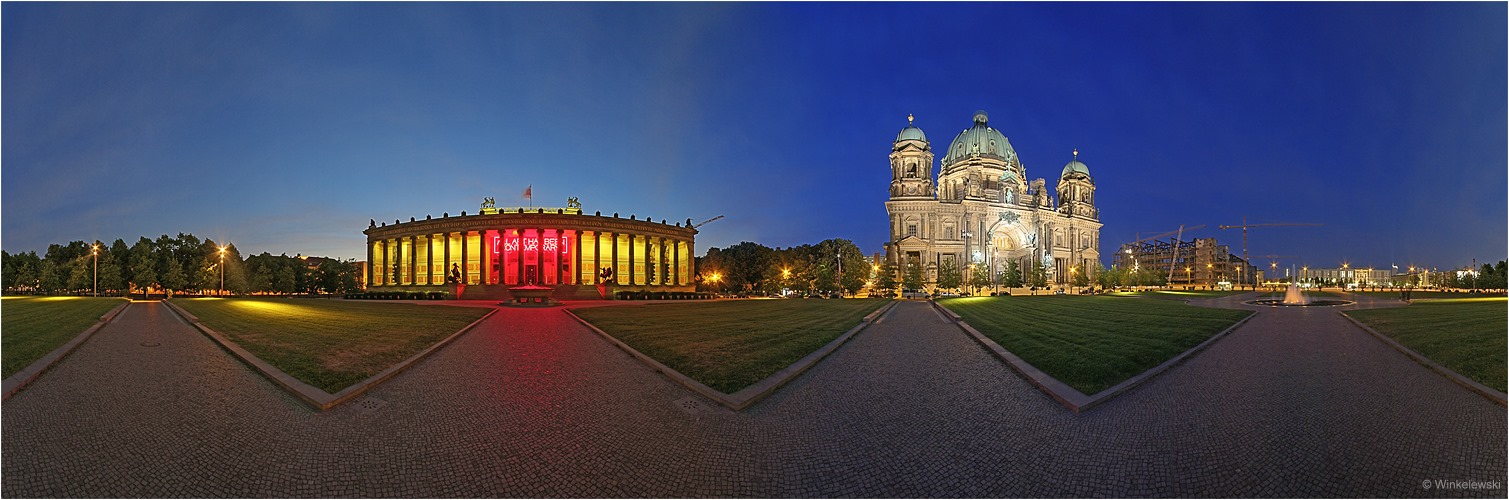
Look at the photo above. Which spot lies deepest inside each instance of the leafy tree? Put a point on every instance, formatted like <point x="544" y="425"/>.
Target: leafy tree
<point x="1012" y="277"/>
<point x="110" y="275"/>
<point x="1081" y="278"/>
<point x="143" y="270"/>
<point x="979" y="277"/>
<point x="173" y="278"/>
<point x="913" y="278"/>
<point x="51" y="277"/>
<point x="948" y="275"/>
<point x="885" y="279"/>
<point x="80" y="275"/>
<point x="1039" y="275"/>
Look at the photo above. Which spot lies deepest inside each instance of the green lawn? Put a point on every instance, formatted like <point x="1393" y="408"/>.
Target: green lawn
<point x="1178" y="295"/>
<point x="330" y="344"/>
<point x="1092" y="343"/>
<point x="1465" y="335"/>
<point x="1428" y="295"/>
<point x="729" y="345"/>
<point x="34" y="326"/>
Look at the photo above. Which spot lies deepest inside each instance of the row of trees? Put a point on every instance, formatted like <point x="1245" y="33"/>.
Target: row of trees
<point x="1489" y="277"/>
<point x="182" y="264"/>
<point x="752" y="267"/>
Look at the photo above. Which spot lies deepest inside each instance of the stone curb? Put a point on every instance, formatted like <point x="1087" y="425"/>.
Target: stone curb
<point x="1470" y="384"/>
<point x="311" y="395"/>
<point x="1068" y="396"/>
<point x="20" y="379"/>
<point x="747" y="396"/>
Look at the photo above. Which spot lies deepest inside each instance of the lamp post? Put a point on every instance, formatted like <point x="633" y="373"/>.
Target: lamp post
<point x="1187" y="279"/>
<point x="1210" y="272"/>
<point x="96" y="252"/>
<point x="1072" y="270"/>
<point x="222" y="271"/>
<point x="967" y="260"/>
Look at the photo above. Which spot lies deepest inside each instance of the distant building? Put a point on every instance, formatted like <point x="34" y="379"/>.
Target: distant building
<point x="981" y="208"/>
<point x="1344" y="276"/>
<point x="1201" y="261"/>
<point x="561" y="248"/>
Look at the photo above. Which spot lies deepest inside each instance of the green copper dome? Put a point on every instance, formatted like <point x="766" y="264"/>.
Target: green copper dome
<point x="979" y="140"/>
<point x="911" y="132"/>
<point x="1074" y="166"/>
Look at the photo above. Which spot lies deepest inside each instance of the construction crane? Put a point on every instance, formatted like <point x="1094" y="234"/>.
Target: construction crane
<point x="703" y="223"/>
<point x="1245" y="225"/>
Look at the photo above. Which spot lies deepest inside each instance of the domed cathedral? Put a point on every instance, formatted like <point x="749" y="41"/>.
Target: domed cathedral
<point x="982" y="210"/>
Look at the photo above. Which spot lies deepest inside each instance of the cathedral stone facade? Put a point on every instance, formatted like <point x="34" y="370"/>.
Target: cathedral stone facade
<point x="980" y="208"/>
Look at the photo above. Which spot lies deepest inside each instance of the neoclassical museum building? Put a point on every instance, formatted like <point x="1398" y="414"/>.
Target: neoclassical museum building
<point x="981" y="209"/>
<point x="556" y="247"/>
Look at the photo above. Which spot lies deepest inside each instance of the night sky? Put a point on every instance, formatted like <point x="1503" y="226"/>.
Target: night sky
<point x="286" y="127"/>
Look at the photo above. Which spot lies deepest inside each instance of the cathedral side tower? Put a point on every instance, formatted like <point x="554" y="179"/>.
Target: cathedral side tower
<point x="911" y="164"/>
<point x="1076" y="190"/>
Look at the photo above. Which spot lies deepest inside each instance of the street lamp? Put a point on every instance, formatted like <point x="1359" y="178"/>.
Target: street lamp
<point x="1072" y="269"/>
<point x="967" y="260"/>
<point x="96" y="253"/>
<point x="222" y="271"/>
<point x="1210" y="272"/>
<point x="1187" y="278"/>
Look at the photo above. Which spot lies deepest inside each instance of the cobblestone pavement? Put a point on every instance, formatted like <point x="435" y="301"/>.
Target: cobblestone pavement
<point x="1295" y="403"/>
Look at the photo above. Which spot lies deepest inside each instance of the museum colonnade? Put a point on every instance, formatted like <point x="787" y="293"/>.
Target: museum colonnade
<point x="529" y="256"/>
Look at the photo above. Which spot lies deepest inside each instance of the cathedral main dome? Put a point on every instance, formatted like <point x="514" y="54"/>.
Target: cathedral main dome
<point x="979" y="140"/>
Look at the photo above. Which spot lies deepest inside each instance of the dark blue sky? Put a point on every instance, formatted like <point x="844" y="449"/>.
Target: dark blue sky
<point x="285" y="127"/>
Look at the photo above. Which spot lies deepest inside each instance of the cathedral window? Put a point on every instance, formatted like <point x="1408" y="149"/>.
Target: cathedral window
<point x="911" y="229"/>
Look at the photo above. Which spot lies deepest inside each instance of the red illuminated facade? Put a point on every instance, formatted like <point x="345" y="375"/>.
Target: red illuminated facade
<point x="548" y="247"/>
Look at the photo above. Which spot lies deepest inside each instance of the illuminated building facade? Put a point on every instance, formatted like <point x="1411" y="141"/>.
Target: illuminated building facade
<point x="981" y="209"/>
<point x="1201" y="261"/>
<point x="556" y="247"/>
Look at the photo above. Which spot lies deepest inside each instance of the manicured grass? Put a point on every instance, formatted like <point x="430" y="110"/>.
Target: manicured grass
<point x="729" y="345"/>
<point x="330" y="344"/>
<point x="1178" y="295"/>
<point x="1465" y="335"/>
<point x="1092" y="343"/>
<point x="1430" y="295"/>
<point x="34" y="326"/>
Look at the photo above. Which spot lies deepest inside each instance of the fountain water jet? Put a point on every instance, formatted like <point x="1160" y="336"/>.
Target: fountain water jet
<point x="1294" y="297"/>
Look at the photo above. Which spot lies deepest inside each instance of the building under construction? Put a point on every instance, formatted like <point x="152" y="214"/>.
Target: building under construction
<point x="1201" y="261"/>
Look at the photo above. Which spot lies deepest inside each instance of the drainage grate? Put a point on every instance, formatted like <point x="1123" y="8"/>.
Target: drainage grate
<point x="150" y="344"/>
<point x="690" y="405"/>
<point x="367" y="405"/>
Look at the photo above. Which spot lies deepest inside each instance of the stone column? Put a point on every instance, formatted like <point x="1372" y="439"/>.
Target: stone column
<point x="676" y="264"/>
<point x="486" y="260"/>
<point x="631" y="258"/>
<point x="466" y="275"/>
<point x="614" y="244"/>
<point x="576" y="241"/>
<point x="397" y="262"/>
<point x="370" y="261"/>
<point x="597" y="254"/>
<point x="429" y="257"/>
<point x="445" y="246"/>
<point x="413" y="259"/>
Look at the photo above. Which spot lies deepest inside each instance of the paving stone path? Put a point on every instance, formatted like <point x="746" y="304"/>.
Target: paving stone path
<point x="1297" y="402"/>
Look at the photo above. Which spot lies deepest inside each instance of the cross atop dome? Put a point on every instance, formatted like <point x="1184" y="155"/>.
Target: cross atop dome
<point x="908" y="118"/>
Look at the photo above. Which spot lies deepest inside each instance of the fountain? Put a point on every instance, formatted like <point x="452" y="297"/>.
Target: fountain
<point x="1294" y="297"/>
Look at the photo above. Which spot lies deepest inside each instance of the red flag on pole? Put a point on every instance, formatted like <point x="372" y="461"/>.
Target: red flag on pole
<point x="529" y="193"/>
